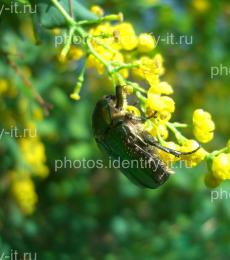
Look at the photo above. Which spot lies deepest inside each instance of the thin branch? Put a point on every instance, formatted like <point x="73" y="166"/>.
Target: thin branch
<point x="71" y="8"/>
<point x="60" y="8"/>
<point x="46" y="106"/>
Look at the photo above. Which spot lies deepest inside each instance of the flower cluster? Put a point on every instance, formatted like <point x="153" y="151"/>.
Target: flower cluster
<point x="24" y="193"/>
<point x="33" y="152"/>
<point x="203" y="126"/>
<point x="117" y="51"/>
<point x="195" y="158"/>
<point x="219" y="168"/>
<point x="28" y="149"/>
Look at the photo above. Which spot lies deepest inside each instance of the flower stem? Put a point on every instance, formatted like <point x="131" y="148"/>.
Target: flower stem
<point x="108" y="18"/>
<point x="180" y="138"/>
<point x="66" y="48"/>
<point x="99" y="57"/>
<point x="75" y="27"/>
<point x="60" y="8"/>
<point x="126" y="66"/>
<point x="137" y="87"/>
<point x="217" y="152"/>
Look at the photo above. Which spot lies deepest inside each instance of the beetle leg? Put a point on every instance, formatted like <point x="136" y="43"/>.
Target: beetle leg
<point x="119" y="97"/>
<point x="137" y="119"/>
<point x="152" y="141"/>
<point x="140" y="119"/>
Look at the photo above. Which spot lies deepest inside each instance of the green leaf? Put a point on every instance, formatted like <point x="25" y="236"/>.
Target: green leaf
<point x="50" y="17"/>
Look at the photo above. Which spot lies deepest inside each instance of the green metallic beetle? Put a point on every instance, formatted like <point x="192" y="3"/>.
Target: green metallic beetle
<point x="121" y="136"/>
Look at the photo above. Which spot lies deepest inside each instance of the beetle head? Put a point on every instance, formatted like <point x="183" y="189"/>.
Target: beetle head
<point x="104" y="114"/>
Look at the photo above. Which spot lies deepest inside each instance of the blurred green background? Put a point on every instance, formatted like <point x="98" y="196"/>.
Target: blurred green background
<point x="98" y="213"/>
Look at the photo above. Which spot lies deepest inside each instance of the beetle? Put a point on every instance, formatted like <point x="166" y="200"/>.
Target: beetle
<point x="121" y="136"/>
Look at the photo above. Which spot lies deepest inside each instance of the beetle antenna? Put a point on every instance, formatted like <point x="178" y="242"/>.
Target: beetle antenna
<point x="152" y="141"/>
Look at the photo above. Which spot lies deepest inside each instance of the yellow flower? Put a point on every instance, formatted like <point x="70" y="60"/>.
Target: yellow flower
<point x="158" y="129"/>
<point x="42" y="171"/>
<point x="168" y="158"/>
<point x="96" y="9"/>
<point x="162" y="131"/>
<point x="157" y="87"/>
<point x="158" y="61"/>
<point x="221" y="166"/>
<point x="154" y="83"/>
<point x="151" y="129"/>
<point x="203" y="119"/>
<point x="23" y="191"/>
<point x="127" y="36"/>
<point x="150" y="69"/>
<point x="200" y="113"/>
<point x="133" y="110"/>
<point x="194" y="158"/>
<point x="203" y="137"/>
<point x="203" y="126"/>
<point x="160" y="103"/>
<point x="154" y="102"/>
<point x="33" y="152"/>
<point x="164" y="116"/>
<point x="168" y="104"/>
<point x="165" y="88"/>
<point x="75" y="53"/>
<point x="146" y="43"/>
